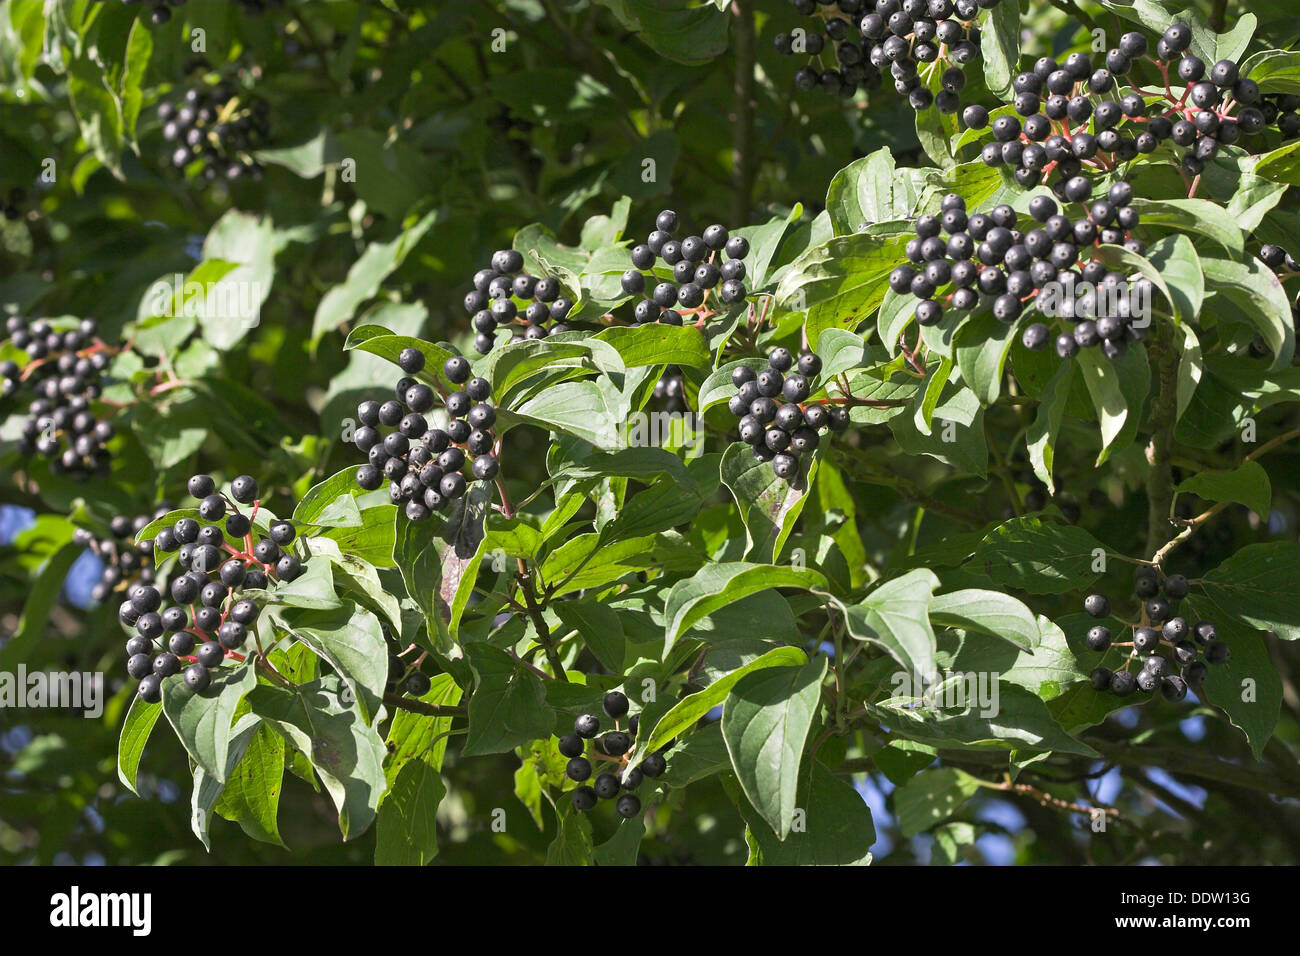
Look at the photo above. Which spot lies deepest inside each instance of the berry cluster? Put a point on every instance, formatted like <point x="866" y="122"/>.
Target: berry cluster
<point x="213" y="123"/>
<point x="505" y="295"/>
<point x="986" y="257"/>
<point x="1063" y="130"/>
<point x="613" y="748"/>
<point x="215" y="572"/>
<point x="670" y="390"/>
<point x="898" y="34"/>
<point x="407" y="677"/>
<point x="126" y="562"/>
<point x="1158" y="629"/>
<point x="775" y="416"/>
<point x="63" y="375"/>
<point x="1281" y="109"/>
<point x="695" y="273"/>
<point x="428" y="467"/>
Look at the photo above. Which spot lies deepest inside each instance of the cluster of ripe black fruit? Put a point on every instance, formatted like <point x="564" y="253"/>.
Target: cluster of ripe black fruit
<point x="506" y="296"/>
<point x="214" y="574"/>
<point x="1159" y="628"/>
<point x="1062" y="128"/>
<point x="427" y="466"/>
<point x="776" y="418"/>
<point x="670" y="390"/>
<point x="612" y="748"/>
<point x="985" y="256"/>
<point x="125" y="561"/>
<point x="694" y="271"/>
<point x="63" y="376"/>
<point x="895" y="34"/>
<point x="407" y="677"/>
<point x="1281" y="109"/>
<point x="218" y="125"/>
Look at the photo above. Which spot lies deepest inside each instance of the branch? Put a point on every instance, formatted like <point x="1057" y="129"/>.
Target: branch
<point x="1210" y="512"/>
<point x="1181" y="761"/>
<point x="743" y="110"/>
<point x="420" y="707"/>
<point x="1160" y="483"/>
<point x="539" y="622"/>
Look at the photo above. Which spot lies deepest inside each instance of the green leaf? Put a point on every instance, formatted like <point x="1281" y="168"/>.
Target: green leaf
<point x="686" y="712"/>
<point x="837" y="830"/>
<point x="1248" y="485"/>
<point x="251" y="796"/>
<point x="1040" y="439"/>
<point x="321" y="719"/>
<point x="97" y="110"/>
<point x="1046" y="670"/>
<point x="765" y="723"/>
<point x="232" y="304"/>
<point x="439" y="563"/>
<point x="1018" y="720"/>
<point x="313" y="589"/>
<point x="1038" y="557"/>
<point x="1276" y="71"/>
<point x="1256" y="294"/>
<point x="1192" y="216"/>
<point x="896" y="616"/>
<point x="769" y="506"/>
<point x="332" y="501"/>
<point x="421" y="736"/>
<point x="139" y="49"/>
<point x="508" y="707"/>
<point x="717" y="585"/>
<point x="202" y="720"/>
<point x="208" y="789"/>
<point x="572" y="843"/>
<point x="41" y="595"/>
<point x="873" y="189"/>
<point x="593" y="411"/>
<point x="1258" y="584"/>
<point x="849" y="273"/>
<point x="981" y="347"/>
<point x="990" y="612"/>
<point x="1179" y="266"/>
<point x="932" y="797"/>
<point x="1247" y="687"/>
<point x="600" y="629"/>
<point x="1118" y="388"/>
<point x="950" y="842"/>
<point x="136" y="728"/>
<point x="511" y="364"/>
<point x="406" y="832"/>
<point x="1000" y="48"/>
<point x="350" y="639"/>
<point x="700" y="755"/>
<point x="656" y="344"/>
<point x="621" y="849"/>
<point x="380" y="259"/>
